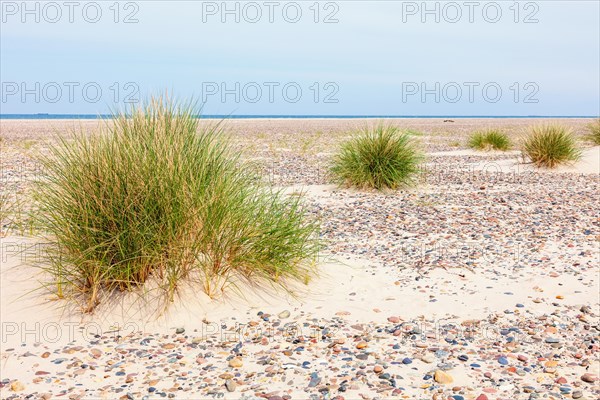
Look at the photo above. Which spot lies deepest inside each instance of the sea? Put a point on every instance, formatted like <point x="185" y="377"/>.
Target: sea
<point x="107" y="116"/>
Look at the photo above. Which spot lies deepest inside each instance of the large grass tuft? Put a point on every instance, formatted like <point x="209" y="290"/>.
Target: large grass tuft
<point x="550" y="145"/>
<point x="382" y="157"/>
<point x="491" y="139"/>
<point x="156" y="196"/>
<point x="594" y="132"/>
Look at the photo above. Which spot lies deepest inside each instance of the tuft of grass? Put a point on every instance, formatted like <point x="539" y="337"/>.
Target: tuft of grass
<point x="154" y="197"/>
<point x="491" y="139"/>
<point x="550" y="145"/>
<point x="594" y="132"/>
<point x="382" y="157"/>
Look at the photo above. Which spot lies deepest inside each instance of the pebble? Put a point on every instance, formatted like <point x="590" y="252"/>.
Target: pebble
<point x="314" y="380"/>
<point x="17" y="386"/>
<point x="428" y="358"/>
<point x="230" y="385"/>
<point x="589" y="378"/>
<point x="442" y="377"/>
<point x="236" y="362"/>
<point x="96" y="353"/>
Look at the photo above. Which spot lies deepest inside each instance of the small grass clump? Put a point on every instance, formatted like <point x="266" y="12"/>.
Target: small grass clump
<point x="491" y="139"/>
<point x="594" y="132"/>
<point x="550" y="145"/>
<point x="379" y="158"/>
<point x="154" y="197"/>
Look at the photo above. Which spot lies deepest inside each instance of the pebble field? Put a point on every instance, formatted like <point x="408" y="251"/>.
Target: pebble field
<point x="481" y="282"/>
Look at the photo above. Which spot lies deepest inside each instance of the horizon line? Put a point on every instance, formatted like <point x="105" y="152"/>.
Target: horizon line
<point x="284" y="116"/>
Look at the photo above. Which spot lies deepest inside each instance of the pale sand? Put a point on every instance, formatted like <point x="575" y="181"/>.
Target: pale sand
<point x="588" y="164"/>
<point x="359" y="291"/>
<point x="483" y="292"/>
<point x="354" y="288"/>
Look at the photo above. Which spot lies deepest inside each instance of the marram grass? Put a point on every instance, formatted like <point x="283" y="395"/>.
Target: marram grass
<point x="491" y="139"/>
<point x="549" y="146"/>
<point x="593" y="134"/>
<point x="379" y="158"/>
<point x="153" y="196"/>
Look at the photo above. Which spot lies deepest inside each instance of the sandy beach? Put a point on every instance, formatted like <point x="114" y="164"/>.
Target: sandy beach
<point x="481" y="282"/>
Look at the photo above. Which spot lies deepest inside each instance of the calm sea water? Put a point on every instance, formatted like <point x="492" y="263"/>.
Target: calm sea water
<point x="101" y="116"/>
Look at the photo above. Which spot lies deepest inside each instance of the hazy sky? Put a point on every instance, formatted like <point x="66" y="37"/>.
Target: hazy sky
<point x="304" y="57"/>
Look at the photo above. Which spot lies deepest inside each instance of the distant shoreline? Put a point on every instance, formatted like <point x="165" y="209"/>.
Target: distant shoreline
<point x="107" y="116"/>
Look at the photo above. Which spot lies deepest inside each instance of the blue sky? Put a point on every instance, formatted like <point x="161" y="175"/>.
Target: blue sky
<point x="323" y="58"/>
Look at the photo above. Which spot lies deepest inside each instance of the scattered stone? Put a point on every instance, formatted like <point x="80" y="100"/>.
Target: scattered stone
<point x="442" y="377"/>
<point x="236" y="362"/>
<point x="17" y="386"/>
<point x="314" y="380"/>
<point x="428" y="358"/>
<point x="589" y="378"/>
<point x="230" y="385"/>
<point x="96" y="353"/>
